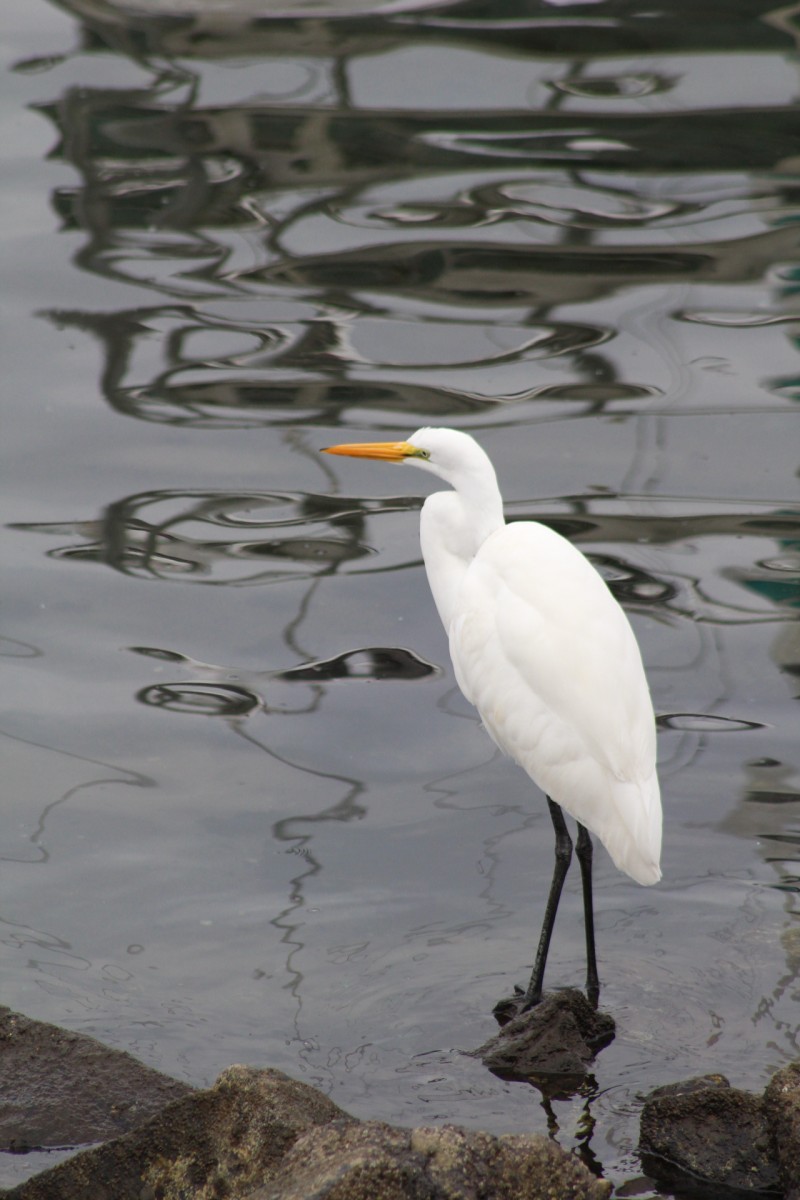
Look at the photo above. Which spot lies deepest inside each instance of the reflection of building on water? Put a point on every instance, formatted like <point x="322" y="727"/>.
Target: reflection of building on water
<point x="773" y="784"/>
<point x="211" y="538"/>
<point x="285" y="219"/>
<point x="338" y="29"/>
<point x="786" y="655"/>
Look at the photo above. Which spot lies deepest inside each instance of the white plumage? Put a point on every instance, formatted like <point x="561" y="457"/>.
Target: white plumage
<point x="545" y="653"/>
<point x="555" y="672"/>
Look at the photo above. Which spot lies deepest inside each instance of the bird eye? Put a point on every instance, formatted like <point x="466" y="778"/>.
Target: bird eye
<point x="423" y="453"/>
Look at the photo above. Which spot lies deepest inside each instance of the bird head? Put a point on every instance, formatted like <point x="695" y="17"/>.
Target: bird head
<point x="448" y="453"/>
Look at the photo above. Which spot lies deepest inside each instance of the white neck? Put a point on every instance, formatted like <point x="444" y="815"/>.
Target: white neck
<point x="453" y="527"/>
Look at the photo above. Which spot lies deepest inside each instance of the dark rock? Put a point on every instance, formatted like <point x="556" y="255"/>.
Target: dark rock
<point x="373" y="1161"/>
<point x="782" y="1105"/>
<point x="214" y="1143"/>
<point x="705" y="1131"/>
<point x="263" y="1136"/>
<point x="697" y="1083"/>
<point x="559" y="1037"/>
<point x="65" y="1089"/>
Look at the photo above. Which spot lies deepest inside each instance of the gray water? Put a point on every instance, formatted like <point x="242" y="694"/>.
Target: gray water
<point x="246" y="814"/>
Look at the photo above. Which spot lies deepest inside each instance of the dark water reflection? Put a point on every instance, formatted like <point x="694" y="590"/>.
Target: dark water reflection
<point x="252" y="819"/>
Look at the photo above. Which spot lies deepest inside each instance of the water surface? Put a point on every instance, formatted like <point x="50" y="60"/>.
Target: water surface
<point x="247" y="815"/>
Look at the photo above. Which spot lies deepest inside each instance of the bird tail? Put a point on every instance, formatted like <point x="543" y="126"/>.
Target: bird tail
<point x="634" y="842"/>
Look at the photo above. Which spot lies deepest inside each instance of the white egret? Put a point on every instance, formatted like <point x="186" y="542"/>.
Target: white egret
<point x="547" y="656"/>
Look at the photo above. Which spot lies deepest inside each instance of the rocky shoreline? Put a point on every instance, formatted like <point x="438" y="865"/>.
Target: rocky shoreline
<point x="259" y="1135"/>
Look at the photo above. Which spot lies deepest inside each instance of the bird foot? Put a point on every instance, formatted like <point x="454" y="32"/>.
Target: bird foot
<point x="511" y="1006"/>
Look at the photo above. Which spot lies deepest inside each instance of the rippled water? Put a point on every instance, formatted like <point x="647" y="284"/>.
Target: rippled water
<point x="247" y="815"/>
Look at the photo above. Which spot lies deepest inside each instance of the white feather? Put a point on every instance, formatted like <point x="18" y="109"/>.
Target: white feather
<point x="545" y="653"/>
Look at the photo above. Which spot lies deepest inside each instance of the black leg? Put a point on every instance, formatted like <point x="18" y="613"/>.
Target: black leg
<point x="563" y="856"/>
<point x="583" y="849"/>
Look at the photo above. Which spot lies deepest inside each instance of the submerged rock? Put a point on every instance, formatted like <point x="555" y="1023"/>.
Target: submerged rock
<point x="703" y="1131"/>
<point x="556" y="1040"/>
<point x="66" y="1089"/>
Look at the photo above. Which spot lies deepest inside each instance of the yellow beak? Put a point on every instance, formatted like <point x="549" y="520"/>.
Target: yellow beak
<point x="387" y="451"/>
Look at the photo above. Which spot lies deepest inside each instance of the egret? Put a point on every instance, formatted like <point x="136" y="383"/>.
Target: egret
<point x="547" y="656"/>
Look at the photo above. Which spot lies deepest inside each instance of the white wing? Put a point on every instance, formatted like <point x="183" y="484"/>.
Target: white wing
<point x="547" y="656"/>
